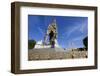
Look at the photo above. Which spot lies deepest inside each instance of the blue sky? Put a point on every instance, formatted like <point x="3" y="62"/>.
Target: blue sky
<point x="71" y="30"/>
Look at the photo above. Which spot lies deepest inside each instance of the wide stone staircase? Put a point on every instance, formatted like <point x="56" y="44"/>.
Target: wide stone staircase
<point x="55" y="53"/>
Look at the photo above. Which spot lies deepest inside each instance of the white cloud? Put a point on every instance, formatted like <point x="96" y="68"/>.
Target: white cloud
<point x="71" y="31"/>
<point x="83" y="27"/>
<point x="41" y="30"/>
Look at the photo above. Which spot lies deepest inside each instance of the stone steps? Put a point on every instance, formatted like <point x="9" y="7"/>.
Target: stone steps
<point x="51" y="53"/>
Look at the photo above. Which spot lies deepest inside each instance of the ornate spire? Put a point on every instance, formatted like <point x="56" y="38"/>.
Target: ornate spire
<point x="52" y="27"/>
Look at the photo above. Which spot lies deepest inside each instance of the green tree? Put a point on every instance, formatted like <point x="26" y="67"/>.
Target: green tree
<point x="31" y="44"/>
<point x="85" y="42"/>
